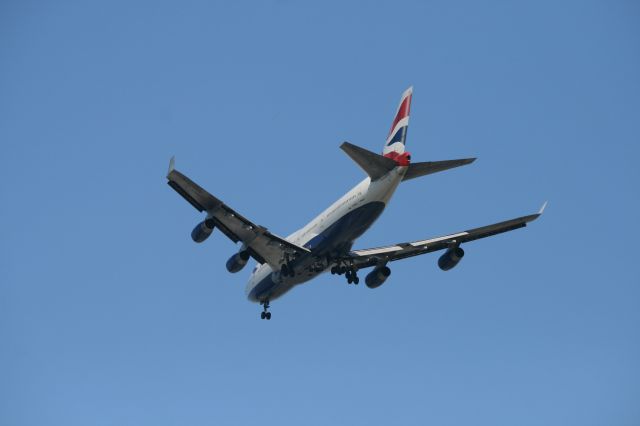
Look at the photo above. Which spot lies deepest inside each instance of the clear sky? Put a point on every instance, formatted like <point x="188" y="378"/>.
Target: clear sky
<point x="111" y="315"/>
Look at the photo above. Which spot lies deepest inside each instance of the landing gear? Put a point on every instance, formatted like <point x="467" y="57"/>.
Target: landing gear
<point x="352" y="277"/>
<point x="286" y="270"/>
<point x="265" y="314"/>
<point x="350" y="273"/>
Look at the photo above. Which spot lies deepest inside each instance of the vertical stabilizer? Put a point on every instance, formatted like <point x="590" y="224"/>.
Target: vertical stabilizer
<point x="398" y="133"/>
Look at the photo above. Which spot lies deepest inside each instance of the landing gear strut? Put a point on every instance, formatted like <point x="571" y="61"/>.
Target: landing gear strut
<point x="265" y="314"/>
<point x="350" y="272"/>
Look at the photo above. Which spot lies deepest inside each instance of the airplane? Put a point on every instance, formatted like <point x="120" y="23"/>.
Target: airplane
<point x="325" y="243"/>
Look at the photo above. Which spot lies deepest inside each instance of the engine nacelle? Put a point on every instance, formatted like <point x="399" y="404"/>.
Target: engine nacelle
<point x="237" y="261"/>
<point x="377" y="277"/>
<point x="202" y="231"/>
<point x="450" y="258"/>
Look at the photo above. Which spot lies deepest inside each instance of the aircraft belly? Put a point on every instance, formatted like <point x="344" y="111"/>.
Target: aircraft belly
<point x="346" y="229"/>
<point x="339" y="236"/>
<point x="268" y="289"/>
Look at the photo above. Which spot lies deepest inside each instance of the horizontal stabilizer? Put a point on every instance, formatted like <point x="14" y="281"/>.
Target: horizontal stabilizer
<point x="429" y="167"/>
<point x="373" y="164"/>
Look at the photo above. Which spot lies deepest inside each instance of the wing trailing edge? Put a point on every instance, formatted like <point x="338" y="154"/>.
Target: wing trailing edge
<point x="370" y="257"/>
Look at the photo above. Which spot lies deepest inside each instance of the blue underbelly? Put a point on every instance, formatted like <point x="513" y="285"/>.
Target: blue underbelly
<point x="339" y="236"/>
<point x="336" y="239"/>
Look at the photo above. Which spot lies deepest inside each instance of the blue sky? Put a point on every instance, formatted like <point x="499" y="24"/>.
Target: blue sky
<point x="110" y="314"/>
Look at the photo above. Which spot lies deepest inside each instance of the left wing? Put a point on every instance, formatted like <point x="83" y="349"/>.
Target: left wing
<point x="374" y="256"/>
<point x="261" y="244"/>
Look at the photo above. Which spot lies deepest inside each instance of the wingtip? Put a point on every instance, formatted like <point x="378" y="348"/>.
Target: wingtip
<point x="544" y="206"/>
<point x="172" y="165"/>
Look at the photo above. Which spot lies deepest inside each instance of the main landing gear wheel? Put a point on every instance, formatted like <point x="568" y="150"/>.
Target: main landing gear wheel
<point x="349" y="272"/>
<point x="352" y="276"/>
<point x="265" y="314"/>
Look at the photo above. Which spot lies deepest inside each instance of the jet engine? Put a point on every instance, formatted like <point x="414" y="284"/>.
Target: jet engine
<point x="450" y="258"/>
<point x="202" y="231"/>
<point x="377" y="277"/>
<point x="237" y="261"/>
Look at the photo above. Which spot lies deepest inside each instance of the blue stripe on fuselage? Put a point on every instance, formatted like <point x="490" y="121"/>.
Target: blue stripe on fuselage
<point x="336" y="238"/>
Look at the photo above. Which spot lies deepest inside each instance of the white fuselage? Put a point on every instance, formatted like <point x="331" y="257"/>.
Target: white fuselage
<point x="332" y="231"/>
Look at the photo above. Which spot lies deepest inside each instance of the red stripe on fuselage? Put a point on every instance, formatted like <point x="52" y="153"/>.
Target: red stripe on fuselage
<point x="403" y="112"/>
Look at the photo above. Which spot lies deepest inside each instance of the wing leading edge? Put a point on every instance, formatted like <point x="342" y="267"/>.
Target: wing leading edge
<point x="374" y="256"/>
<point x="261" y="244"/>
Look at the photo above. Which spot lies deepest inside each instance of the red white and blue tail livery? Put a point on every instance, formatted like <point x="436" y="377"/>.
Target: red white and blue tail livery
<point x="398" y="132"/>
<point x="326" y="243"/>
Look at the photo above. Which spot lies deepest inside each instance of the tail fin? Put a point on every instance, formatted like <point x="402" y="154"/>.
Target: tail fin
<point x="398" y="133"/>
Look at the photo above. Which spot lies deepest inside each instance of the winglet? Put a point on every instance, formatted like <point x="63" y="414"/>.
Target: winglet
<point x="544" y="206"/>
<point x="172" y="165"/>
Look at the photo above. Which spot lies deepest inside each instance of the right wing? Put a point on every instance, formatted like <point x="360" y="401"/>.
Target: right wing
<point x="374" y="256"/>
<point x="261" y="244"/>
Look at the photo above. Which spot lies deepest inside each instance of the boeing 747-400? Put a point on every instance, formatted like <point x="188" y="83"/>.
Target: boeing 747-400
<point x="325" y="244"/>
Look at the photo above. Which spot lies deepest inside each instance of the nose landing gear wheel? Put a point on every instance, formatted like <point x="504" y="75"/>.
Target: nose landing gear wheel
<point x="265" y="314"/>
